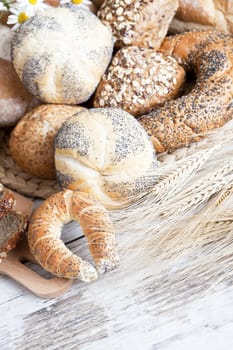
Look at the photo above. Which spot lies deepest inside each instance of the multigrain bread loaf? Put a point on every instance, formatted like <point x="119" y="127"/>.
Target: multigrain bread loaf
<point x="105" y="152"/>
<point x="141" y="23"/>
<point x="47" y="247"/>
<point x="209" y="104"/>
<point x="203" y="14"/>
<point x="15" y="100"/>
<point x="32" y="140"/>
<point x="12" y="228"/>
<point x="60" y="54"/>
<point x="139" y="79"/>
<point x="13" y="222"/>
<point x="6" y="201"/>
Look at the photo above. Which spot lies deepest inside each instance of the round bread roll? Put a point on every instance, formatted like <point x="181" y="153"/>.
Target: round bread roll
<point x="61" y="54"/>
<point x="32" y="140"/>
<point x="14" y="98"/>
<point x="105" y="152"/>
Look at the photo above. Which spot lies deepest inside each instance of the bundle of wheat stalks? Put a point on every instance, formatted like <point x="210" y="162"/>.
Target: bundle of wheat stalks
<point x="187" y="220"/>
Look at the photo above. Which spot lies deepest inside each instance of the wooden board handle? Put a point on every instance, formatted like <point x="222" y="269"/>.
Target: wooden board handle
<point x="13" y="265"/>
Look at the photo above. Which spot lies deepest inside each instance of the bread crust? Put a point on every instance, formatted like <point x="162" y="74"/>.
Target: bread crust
<point x="105" y="152"/>
<point x="16" y="236"/>
<point x="61" y="53"/>
<point x="142" y="23"/>
<point x="139" y="79"/>
<point x="15" y="100"/>
<point x="32" y="140"/>
<point x="49" y="250"/>
<point x="209" y="104"/>
<point x="6" y="201"/>
<point x="199" y="14"/>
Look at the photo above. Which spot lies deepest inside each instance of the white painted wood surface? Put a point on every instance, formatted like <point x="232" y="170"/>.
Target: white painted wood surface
<point x="141" y="305"/>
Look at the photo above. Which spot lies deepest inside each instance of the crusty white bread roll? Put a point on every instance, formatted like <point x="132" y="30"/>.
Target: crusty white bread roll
<point x="203" y="14"/>
<point x="32" y="139"/>
<point x="47" y="247"/>
<point x="105" y="152"/>
<point x="141" y="23"/>
<point x="60" y="54"/>
<point x="138" y="80"/>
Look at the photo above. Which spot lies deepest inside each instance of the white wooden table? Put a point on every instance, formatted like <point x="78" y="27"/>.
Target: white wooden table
<point x="139" y="306"/>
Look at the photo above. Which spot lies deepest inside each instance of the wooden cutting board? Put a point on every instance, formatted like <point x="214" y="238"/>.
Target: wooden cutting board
<point x="14" y="265"/>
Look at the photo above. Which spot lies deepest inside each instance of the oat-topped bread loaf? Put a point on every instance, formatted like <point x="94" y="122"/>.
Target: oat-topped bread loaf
<point x="139" y="79"/>
<point x="141" y="23"/>
<point x="203" y="14"/>
<point x="105" y="152"/>
<point x="60" y="54"/>
<point x="32" y="140"/>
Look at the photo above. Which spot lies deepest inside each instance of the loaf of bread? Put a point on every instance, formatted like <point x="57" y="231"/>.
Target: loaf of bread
<point x="6" y="201"/>
<point x="13" y="222"/>
<point x="141" y="23"/>
<point x="209" y="104"/>
<point x="32" y="139"/>
<point x="60" y="54"/>
<point x="105" y="152"/>
<point x="138" y="80"/>
<point x="203" y="14"/>
<point x="12" y="228"/>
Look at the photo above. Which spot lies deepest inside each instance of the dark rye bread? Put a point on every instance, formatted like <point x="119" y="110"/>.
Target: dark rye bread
<point x="12" y="228"/>
<point x="6" y="200"/>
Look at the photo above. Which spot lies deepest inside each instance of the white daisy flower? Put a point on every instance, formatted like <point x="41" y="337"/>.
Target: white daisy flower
<point x="31" y="7"/>
<point x="2" y="7"/>
<point x="17" y="17"/>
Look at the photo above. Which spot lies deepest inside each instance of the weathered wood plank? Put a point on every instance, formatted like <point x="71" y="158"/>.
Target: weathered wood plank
<point x="139" y="306"/>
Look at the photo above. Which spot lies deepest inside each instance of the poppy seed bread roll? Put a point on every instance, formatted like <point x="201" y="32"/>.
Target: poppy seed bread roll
<point x="61" y="54"/>
<point x="105" y="152"/>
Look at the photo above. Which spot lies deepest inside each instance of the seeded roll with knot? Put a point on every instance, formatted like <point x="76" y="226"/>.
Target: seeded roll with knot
<point x="142" y="23"/>
<point x="208" y="105"/>
<point x="139" y="79"/>
<point x="60" y="54"/>
<point x="105" y="152"/>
